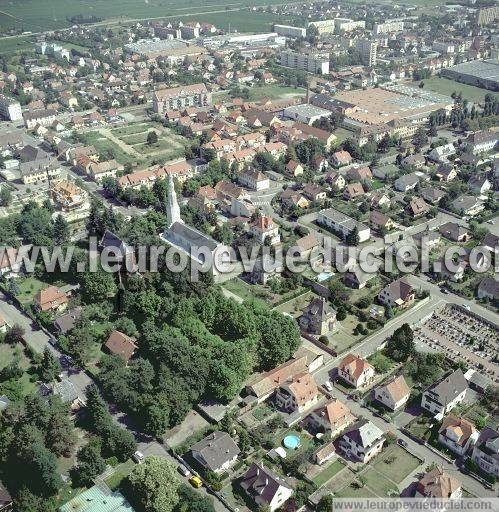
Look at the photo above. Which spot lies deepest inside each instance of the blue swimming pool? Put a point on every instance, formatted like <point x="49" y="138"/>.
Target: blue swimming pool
<point x="291" y="442"/>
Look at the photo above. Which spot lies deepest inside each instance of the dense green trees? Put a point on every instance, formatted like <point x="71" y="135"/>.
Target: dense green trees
<point x="401" y="344"/>
<point x="153" y="485"/>
<point x="89" y="464"/>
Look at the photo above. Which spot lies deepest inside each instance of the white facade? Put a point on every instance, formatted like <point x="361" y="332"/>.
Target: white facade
<point x="10" y="108"/>
<point x="340" y="222"/>
<point x="368" y="51"/>
<point x="318" y="64"/>
<point x="289" y="31"/>
<point x="388" y="26"/>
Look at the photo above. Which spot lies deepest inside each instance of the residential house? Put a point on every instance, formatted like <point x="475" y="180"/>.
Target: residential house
<point x="333" y="417"/>
<point x="293" y="199"/>
<point x="297" y="395"/>
<point x="438" y="484"/>
<point x="359" y="174"/>
<point x="393" y="394"/>
<point x="418" y="207"/>
<point x="314" y="192"/>
<point x="121" y="345"/>
<point x="481" y="142"/>
<point x="406" y="182"/>
<point x="51" y="299"/>
<point x="336" y="180"/>
<point x="264" y="228"/>
<point x="398" y="294"/>
<point x="217" y="452"/>
<point x="362" y="441"/>
<point x="380" y="221"/>
<point x="356" y="371"/>
<point x="6" y="501"/>
<point x="468" y="205"/>
<point x="42" y="117"/>
<point x="318" y="317"/>
<point x="254" y="180"/>
<point x="491" y="243"/>
<point x="65" y="323"/>
<point x="442" y="396"/>
<point x="442" y="153"/>
<point x="340" y="158"/>
<point x="454" y="232"/>
<point x="446" y="173"/>
<point x="457" y="434"/>
<point x="379" y="199"/>
<point x="3" y="325"/>
<point x="261" y="386"/>
<point x="293" y="169"/>
<point x="99" y="171"/>
<point x="11" y="261"/>
<point x="356" y="278"/>
<point x="486" y="451"/>
<point x="417" y="161"/>
<point x="479" y="184"/>
<point x="353" y="191"/>
<point x="432" y="195"/>
<point x="324" y="453"/>
<point x="265" y="488"/>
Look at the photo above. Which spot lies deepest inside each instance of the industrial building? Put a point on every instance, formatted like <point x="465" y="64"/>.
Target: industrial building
<point x="480" y="73"/>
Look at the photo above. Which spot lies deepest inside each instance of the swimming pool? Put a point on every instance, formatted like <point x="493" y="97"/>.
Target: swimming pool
<point x="291" y="442"/>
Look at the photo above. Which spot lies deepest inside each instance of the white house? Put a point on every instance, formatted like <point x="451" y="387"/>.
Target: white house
<point x="299" y="394"/>
<point x="457" y="434"/>
<point x="356" y="371"/>
<point x="486" y="451"/>
<point x="393" y="394"/>
<point x="442" y="396"/>
<point x="216" y="452"/>
<point x="265" y="488"/>
<point x="363" y="441"/>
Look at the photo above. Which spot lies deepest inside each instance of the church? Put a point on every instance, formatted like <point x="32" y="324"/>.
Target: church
<point x="197" y="245"/>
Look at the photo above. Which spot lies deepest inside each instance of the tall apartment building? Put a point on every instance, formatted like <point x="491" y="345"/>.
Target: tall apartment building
<point x="289" y="31"/>
<point x="318" y="64"/>
<point x="347" y="25"/>
<point x="323" y="26"/>
<point x="176" y="98"/>
<point x="487" y="15"/>
<point x="388" y="27"/>
<point x="368" y="51"/>
<point x="10" y="108"/>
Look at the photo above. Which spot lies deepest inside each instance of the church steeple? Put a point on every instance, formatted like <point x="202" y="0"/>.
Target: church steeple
<point x="172" y="207"/>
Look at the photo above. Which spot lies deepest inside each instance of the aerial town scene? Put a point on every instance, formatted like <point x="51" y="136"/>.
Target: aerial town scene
<point x="249" y="255"/>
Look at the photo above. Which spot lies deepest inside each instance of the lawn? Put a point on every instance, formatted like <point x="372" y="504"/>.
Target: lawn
<point x="396" y="463"/>
<point x="28" y="288"/>
<point x="274" y="92"/>
<point x="104" y="145"/>
<point x="447" y="87"/>
<point x="122" y="471"/>
<point x="352" y="491"/>
<point x="262" y="412"/>
<point x="379" y="484"/>
<point x="329" y="472"/>
<point x="342" y="134"/>
<point x="14" y="44"/>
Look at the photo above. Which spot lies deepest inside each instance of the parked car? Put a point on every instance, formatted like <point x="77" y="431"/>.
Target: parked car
<point x="183" y="470"/>
<point x="328" y="386"/>
<point x="138" y="457"/>
<point x="196" y="482"/>
<point x="401" y="442"/>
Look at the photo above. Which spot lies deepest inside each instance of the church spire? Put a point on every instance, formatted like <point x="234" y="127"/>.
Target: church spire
<point x="172" y="207"/>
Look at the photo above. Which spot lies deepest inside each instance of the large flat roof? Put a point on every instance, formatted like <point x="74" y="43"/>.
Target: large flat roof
<point x="380" y="106"/>
<point x="484" y="69"/>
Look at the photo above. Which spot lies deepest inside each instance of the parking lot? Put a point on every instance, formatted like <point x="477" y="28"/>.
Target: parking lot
<point x="462" y="336"/>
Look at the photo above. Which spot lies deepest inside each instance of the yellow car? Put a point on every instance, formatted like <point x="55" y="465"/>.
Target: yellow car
<point x="196" y="482"/>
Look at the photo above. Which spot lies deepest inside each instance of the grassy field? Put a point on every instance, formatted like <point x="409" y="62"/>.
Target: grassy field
<point x="28" y="288"/>
<point x="324" y="476"/>
<point x="35" y="15"/>
<point x="396" y="464"/>
<point x="103" y="144"/>
<point x="14" y="44"/>
<point x="275" y="92"/>
<point x="446" y="86"/>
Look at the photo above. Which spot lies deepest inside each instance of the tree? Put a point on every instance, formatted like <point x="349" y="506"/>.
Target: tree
<point x="401" y="344"/>
<point x="5" y="196"/>
<point x="14" y="335"/>
<point x="49" y="367"/>
<point x="352" y="238"/>
<point x="89" y="464"/>
<point x="61" y="230"/>
<point x="153" y="485"/>
<point x="98" y="286"/>
<point x="325" y="503"/>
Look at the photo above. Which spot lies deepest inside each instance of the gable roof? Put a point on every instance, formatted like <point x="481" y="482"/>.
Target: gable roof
<point x="216" y="449"/>
<point x="462" y="428"/>
<point x="121" y="345"/>
<point x="354" y="365"/>
<point x="364" y="433"/>
<point x="50" y="298"/>
<point x="449" y="387"/>
<point x="397" y="388"/>
<point x="261" y="482"/>
<point x="438" y="484"/>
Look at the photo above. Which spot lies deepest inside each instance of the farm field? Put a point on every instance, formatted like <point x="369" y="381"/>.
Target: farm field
<point x="36" y="15"/>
